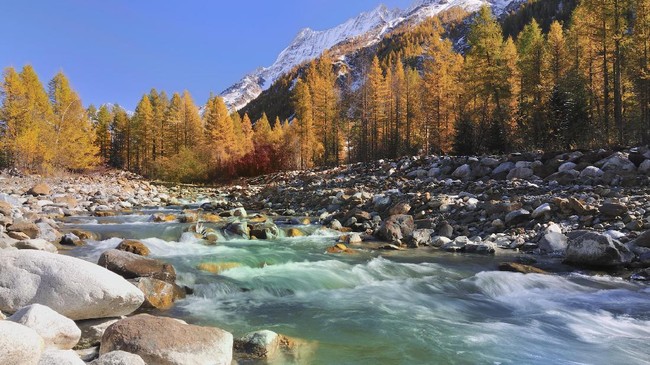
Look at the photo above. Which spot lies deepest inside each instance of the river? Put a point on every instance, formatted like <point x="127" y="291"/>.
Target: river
<point x="378" y="307"/>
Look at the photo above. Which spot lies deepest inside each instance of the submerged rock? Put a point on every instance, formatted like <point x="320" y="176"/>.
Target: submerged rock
<point x="75" y="288"/>
<point x="134" y="246"/>
<point x="167" y="341"/>
<point x="520" y="268"/>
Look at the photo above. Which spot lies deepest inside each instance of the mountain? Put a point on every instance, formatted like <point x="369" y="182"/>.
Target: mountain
<point x="365" y="29"/>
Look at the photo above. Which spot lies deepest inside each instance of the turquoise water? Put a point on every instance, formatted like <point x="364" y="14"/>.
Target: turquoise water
<point x="411" y="307"/>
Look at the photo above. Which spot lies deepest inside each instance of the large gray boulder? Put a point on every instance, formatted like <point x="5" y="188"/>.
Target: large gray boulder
<point x="592" y="249"/>
<point x="118" y="358"/>
<point x="75" y="288"/>
<point x="553" y="243"/>
<point x="167" y="341"/>
<point x="19" y="344"/>
<point x="58" y="332"/>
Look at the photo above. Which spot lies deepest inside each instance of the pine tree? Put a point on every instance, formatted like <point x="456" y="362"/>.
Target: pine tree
<point x="192" y="128"/>
<point x="143" y="135"/>
<point x="219" y="132"/>
<point x="304" y="124"/>
<point x="103" y="121"/>
<point x="173" y="132"/>
<point x="247" y="135"/>
<point x="262" y="130"/>
<point x="72" y="142"/>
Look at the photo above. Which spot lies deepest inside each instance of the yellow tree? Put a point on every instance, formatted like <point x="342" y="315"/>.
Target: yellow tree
<point x="375" y="108"/>
<point x="143" y="140"/>
<point x="309" y="146"/>
<point x="173" y="132"/>
<point x="263" y="131"/>
<point x="219" y="132"/>
<point x="247" y="135"/>
<point x="72" y="141"/>
<point x="103" y="121"/>
<point x="192" y="128"/>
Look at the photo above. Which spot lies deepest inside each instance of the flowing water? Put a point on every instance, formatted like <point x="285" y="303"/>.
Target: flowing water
<point x="377" y="307"/>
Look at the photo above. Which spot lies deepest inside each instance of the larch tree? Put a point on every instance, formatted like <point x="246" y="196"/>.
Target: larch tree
<point x="72" y="141"/>
<point x="192" y="127"/>
<point x="219" y="132"/>
<point x="103" y="119"/>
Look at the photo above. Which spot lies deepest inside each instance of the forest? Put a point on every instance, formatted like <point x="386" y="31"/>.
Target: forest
<point x="582" y="83"/>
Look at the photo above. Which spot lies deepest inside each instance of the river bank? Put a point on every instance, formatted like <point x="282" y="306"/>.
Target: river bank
<point x="160" y="249"/>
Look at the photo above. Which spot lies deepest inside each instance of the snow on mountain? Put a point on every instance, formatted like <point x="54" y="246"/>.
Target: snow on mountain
<point x="310" y="44"/>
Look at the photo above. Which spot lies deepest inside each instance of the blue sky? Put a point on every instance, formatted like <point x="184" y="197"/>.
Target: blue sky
<point x="116" y="50"/>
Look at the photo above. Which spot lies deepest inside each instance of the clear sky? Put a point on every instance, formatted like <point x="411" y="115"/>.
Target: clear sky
<point x="117" y="50"/>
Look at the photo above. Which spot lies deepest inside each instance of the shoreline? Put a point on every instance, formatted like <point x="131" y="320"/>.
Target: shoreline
<point x="588" y="214"/>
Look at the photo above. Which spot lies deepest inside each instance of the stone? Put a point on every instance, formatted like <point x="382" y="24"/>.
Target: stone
<point x="167" y="341"/>
<point x="134" y="246"/>
<point x="39" y="189"/>
<point x="520" y="173"/>
<point x="217" y="267"/>
<point x="396" y="228"/>
<point x="446" y="230"/>
<point x="618" y="162"/>
<point x="6" y="208"/>
<point x="520" y="268"/>
<point x="421" y="237"/>
<point x="60" y="357"/>
<point x="24" y="226"/>
<point x="553" y="242"/>
<point x="74" y="288"/>
<point x="19" y="345"/>
<point x="591" y="172"/>
<point x="592" y="249"/>
<point x="57" y="331"/>
<point x="504" y="168"/>
<point x="131" y="266"/>
<point x="517" y="217"/>
<point x="399" y="208"/>
<point x="294" y="232"/>
<point x="118" y="358"/>
<point x="644" y="168"/>
<point x="36" y="244"/>
<point x="643" y="240"/>
<point x="157" y="293"/>
<point x="462" y="172"/>
<point x="70" y="239"/>
<point x="266" y="230"/>
<point x="259" y="345"/>
<point x="613" y="209"/>
<point x="566" y="166"/>
<point x="541" y="211"/>
<point x="92" y="331"/>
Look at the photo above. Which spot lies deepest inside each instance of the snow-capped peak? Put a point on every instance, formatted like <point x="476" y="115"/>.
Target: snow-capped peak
<point x="310" y="44"/>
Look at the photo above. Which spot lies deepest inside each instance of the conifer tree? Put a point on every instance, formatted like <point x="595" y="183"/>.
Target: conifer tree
<point x="174" y="131"/>
<point x="262" y="130"/>
<point x="192" y="128"/>
<point x="219" y="132"/>
<point x="247" y="135"/>
<point x="72" y="142"/>
<point x="103" y="119"/>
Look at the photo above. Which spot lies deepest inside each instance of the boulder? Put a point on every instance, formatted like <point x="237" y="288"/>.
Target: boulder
<point x="269" y="346"/>
<point x="75" y="288"/>
<point x="71" y="239"/>
<point x="643" y="240"/>
<point x="520" y="173"/>
<point x="60" y="357"/>
<point x="553" y="242"/>
<point x="5" y="208"/>
<point x="131" y="266"/>
<point x="294" y="232"/>
<point x="118" y="358"/>
<point x="19" y="345"/>
<point x="58" y="332"/>
<point x="399" y="208"/>
<point x="591" y="172"/>
<point x="613" y="209"/>
<point x="462" y="172"/>
<point x="421" y="237"/>
<point x="520" y="268"/>
<point x="266" y="230"/>
<point x="517" y="217"/>
<point x="567" y="166"/>
<point x="167" y="341"/>
<point x="592" y="249"/>
<point x="30" y="229"/>
<point x="133" y="246"/>
<point x="446" y="230"/>
<point x="541" y="211"/>
<point x="36" y="244"/>
<point x="157" y="293"/>
<point x="39" y="189"/>
<point x="396" y="228"/>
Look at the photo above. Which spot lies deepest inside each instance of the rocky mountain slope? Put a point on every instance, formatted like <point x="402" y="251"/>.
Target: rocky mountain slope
<point x="364" y="30"/>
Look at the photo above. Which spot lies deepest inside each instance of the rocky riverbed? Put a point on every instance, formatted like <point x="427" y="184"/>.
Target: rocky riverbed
<point x="578" y="211"/>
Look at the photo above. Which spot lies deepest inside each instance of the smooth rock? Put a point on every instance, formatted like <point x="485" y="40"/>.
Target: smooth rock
<point x="157" y="293"/>
<point x="541" y="211"/>
<point x="520" y="268"/>
<point x="131" y="266"/>
<point x="134" y="246"/>
<point x="36" y="244"/>
<point x="166" y="341"/>
<point x="75" y="288"/>
<point x="60" y="357"/>
<point x="613" y="209"/>
<point x="643" y="240"/>
<point x="39" y="189"/>
<point x="516" y="217"/>
<point x="553" y="242"/>
<point x="118" y="358"/>
<point x="58" y="332"/>
<point x="591" y="172"/>
<point x="396" y="228"/>
<point x="19" y="345"/>
<point x="24" y="226"/>
<point x="594" y="250"/>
